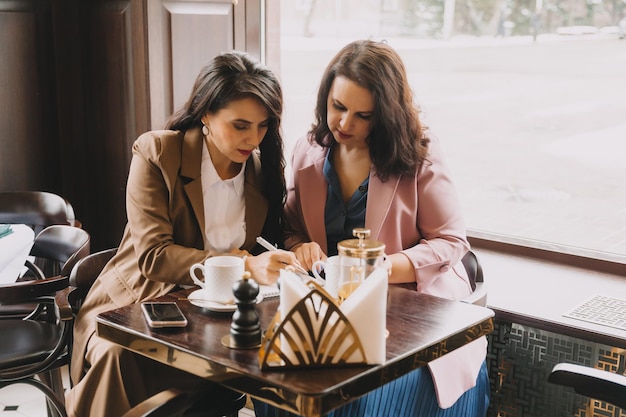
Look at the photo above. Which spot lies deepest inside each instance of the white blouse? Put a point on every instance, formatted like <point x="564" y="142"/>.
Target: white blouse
<point x="224" y="207"/>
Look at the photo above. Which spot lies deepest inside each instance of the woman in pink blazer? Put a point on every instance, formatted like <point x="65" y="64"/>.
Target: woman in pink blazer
<point x="369" y="162"/>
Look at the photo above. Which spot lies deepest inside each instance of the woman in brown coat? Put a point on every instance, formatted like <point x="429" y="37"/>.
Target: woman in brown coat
<point x="209" y="184"/>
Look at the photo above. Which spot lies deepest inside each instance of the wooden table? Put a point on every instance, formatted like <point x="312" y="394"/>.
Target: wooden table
<point x="421" y="328"/>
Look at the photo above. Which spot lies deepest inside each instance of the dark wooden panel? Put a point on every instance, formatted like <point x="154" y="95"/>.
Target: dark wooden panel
<point x="29" y="156"/>
<point x="183" y="37"/>
<point x="109" y="130"/>
<point x="104" y="75"/>
<point x="80" y="80"/>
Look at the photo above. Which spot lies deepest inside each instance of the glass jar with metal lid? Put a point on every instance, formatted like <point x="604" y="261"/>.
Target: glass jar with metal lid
<point x="363" y="254"/>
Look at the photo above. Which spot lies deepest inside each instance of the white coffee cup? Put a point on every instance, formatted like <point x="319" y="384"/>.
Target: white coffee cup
<point x="334" y="267"/>
<point x="220" y="273"/>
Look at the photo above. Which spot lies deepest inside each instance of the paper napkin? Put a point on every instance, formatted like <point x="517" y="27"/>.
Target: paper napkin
<point x="15" y="245"/>
<point x="5" y="230"/>
<point x="365" y="309"/>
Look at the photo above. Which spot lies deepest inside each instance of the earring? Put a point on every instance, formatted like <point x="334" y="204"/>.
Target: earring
<point x="205" y="130"/>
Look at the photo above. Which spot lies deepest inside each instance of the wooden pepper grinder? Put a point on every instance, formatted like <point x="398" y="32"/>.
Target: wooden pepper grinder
<point x="245" y="328"/>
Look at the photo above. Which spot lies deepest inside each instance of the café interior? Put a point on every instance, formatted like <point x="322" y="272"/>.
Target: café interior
<point x="82" y="80"/>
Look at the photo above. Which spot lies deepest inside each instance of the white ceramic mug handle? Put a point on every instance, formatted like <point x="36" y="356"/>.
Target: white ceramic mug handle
<point x="192" y="272"/>
<point x="316" y="266"/>
<point x="387" y="264"/>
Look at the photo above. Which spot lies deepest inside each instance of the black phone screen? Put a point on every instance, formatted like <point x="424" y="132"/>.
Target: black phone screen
<point x="163" y="314"/>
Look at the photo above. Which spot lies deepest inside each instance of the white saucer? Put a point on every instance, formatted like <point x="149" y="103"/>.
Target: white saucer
<point x="195" y="299"/>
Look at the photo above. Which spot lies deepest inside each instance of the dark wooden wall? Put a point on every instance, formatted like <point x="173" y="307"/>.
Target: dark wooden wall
<point x="27" y="88"/>
<point x="81" y="79"/>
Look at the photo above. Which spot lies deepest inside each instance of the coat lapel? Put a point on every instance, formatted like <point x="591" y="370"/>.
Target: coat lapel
<point x="378" y="207"/>
<point x="256" y="203"/>
<point x="313" y="193"/>
<point x="191" y="162"/>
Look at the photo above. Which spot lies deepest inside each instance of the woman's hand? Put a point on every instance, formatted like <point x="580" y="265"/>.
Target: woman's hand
<point x="400" y="268"/>
<point x="265" y="268"/>
<point x="309" y="253"/>
<point x="239" y="252"/>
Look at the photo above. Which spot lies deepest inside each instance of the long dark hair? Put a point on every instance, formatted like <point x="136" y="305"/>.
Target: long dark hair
<point x="398" y="142"/>
<point x="232" y="76"/>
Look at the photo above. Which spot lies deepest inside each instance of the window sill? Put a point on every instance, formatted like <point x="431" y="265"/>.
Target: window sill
<point x="536" y="286"/>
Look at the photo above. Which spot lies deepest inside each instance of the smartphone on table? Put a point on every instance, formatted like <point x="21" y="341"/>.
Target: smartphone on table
<point x="163" y="314"/>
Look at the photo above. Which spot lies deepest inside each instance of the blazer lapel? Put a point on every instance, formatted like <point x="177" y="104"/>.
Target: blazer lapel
<point x="313" y="193"/>
<point x="256" y="203"/>
<point x="378" y="207"/>
<point x="191" y="162"/>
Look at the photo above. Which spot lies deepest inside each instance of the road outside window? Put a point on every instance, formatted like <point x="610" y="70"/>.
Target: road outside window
<point x="529" y="106"/>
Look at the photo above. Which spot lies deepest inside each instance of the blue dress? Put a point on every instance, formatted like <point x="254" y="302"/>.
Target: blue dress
<point x="339" y="218"/>
<point x="412" y="395"/>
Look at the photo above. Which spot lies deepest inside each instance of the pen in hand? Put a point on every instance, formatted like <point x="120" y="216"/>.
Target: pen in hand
<point x="267" y="245"/>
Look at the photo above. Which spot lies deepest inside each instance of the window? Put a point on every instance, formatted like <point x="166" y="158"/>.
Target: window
<point x="528" y="100"/>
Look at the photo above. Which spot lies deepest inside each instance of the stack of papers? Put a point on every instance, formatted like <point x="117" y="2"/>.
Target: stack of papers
<point x="16" y="241"/>
<point x="269" y="291"/>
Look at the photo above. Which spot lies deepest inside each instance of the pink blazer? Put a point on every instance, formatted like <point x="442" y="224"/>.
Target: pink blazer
<point x="419" y="216"/>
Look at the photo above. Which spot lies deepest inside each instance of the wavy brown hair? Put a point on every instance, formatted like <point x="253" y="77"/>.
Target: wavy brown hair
<point x="233" y="76"/>
<point x="398" y="142"/>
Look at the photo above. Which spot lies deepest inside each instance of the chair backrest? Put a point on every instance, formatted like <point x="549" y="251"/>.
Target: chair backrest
<point x="20" y="291"/>
<point x="38" y="209"/>
<point x="30" y="348"/>
<point x="473" y="268"/>
<point x="55" y="250"/>
<point x="58" y="248"/>
<point x="477" y="280"/>
<point x="590" y="382"/>
<point x="85" y="273"/>
<point x="71" y="215"/>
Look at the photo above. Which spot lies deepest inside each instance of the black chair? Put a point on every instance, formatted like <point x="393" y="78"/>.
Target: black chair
<point x="69" y="301"/>
<point x="71" y="216"/>
<point x="590" y="382"/>
<point x="34" y="341"/>
<point x="81" y="278"/>
<point x="31" y="347"/>
<point x="475" y="273"/>
<point x="56" y="249"/>
<point x="39" y="210"/>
